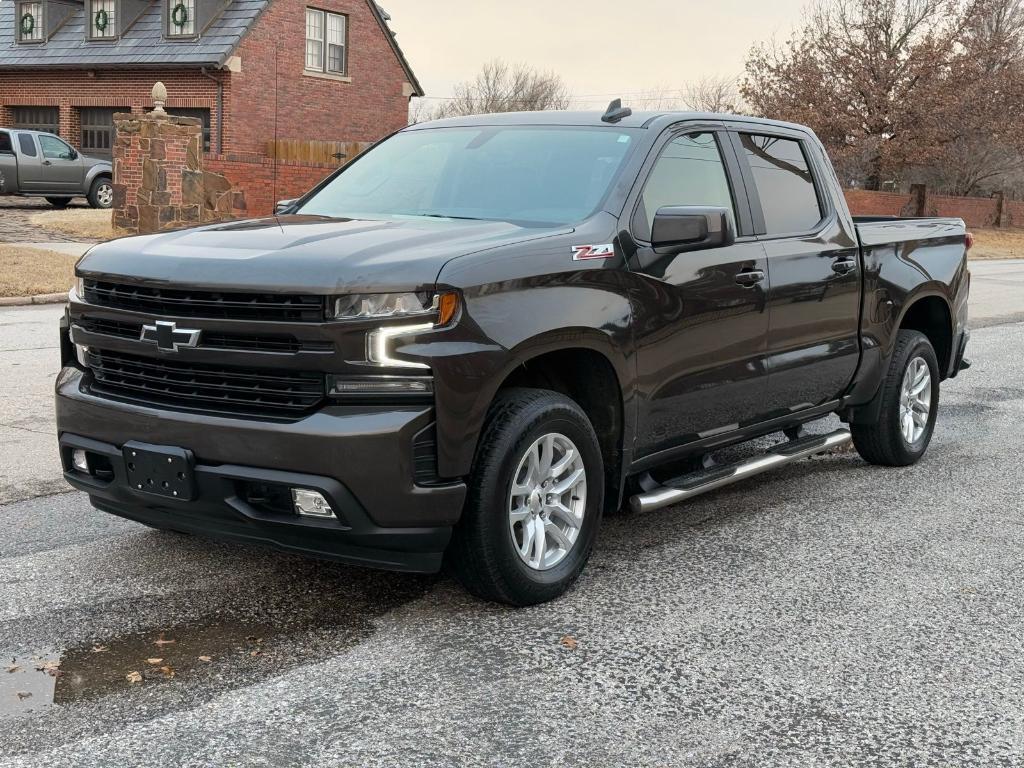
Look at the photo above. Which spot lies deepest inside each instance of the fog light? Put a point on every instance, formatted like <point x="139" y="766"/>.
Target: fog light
<point x="79" y="461"/>
<point x="311" y="503"/>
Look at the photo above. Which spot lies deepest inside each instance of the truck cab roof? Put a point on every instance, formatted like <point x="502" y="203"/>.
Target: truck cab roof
<point x="654" y="120"/>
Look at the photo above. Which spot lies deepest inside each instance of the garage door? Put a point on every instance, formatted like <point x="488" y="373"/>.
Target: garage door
<point x="37" y="118"/>
<point x="98" y="129"/>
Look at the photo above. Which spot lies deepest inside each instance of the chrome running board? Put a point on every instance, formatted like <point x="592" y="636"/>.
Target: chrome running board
<point x="688" y="486"/>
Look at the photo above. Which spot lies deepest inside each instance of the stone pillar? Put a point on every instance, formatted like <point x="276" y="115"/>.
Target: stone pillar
<point x="159" y="181"/>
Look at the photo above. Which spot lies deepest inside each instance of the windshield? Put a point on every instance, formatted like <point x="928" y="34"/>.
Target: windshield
<point x="525" y="175"/>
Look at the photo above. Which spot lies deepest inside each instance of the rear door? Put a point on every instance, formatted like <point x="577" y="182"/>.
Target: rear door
<point x="813" y="268"/>
<point x="30" y="163"/>
<point x="700" y="317"/>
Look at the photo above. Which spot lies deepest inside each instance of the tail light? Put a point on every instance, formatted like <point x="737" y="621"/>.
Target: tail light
<point x="969" y="241"/>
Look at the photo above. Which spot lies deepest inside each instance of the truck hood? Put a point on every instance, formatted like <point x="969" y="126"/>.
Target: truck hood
<point x="304" y="254"/>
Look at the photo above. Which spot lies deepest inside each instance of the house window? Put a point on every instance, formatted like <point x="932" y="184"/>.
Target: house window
<point x="102" y="19"/>
<point x="326" y="42"/>
<point x="30" y="22"/>
<point x="181" y="18"/>
<point x="202" y="115"/>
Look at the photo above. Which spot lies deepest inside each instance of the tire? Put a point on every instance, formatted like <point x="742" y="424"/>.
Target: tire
<point x="887" y="442"/>
<point x="490" y="549"/>
<point x="60" y="203"/>
<point x="101" y="194"/>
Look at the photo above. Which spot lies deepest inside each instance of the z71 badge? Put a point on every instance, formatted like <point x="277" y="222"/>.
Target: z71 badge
<point x="582" y="252"/>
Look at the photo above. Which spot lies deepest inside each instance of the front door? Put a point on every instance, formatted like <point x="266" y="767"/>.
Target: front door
<point x="701" y="317"/>
<point x="62" y="167"/>
<point x="814" y="269"/>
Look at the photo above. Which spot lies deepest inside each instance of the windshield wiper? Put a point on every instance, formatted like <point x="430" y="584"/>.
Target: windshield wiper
<point x="441" y="216"/>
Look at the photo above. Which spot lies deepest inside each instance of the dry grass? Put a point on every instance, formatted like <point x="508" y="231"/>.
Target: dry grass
<point x="30" y="271"/>
<point x="89" y="223"/>
<point x="998" y="244"/>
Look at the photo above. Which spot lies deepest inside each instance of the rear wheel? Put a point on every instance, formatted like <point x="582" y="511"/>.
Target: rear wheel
<point x="909" y="406"/>
<point x="535" y="500"/>
<point x="59" y="202"/>
<point x="101" y="195"/>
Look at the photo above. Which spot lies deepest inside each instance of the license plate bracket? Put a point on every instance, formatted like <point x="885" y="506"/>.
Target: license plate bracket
<point x="161" y="470"/>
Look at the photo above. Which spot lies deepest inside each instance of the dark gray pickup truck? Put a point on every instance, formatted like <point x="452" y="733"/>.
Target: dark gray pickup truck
<point x="481" y="335"/>
<point x="37" y="164"/>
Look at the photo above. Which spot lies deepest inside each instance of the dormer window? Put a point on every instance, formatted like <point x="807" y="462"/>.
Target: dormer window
<point x="30" y="22"/>
<point x="102" y="19"/>
<point x="181" y="18"/>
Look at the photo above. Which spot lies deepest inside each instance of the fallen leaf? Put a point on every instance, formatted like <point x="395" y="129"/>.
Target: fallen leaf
<point x="154" y="661"/>
<point x="569" y="642"/>
<point x="255" y="653"/>
<point x="133" y="677"/>
<point x="205" y="658"/>
<point x="167" y="672"/>
<point x="99" y="649"/>
<point x="51" y="668"/>
<point x="13" y="668"/>
<point x="24" y="695"/>
<point x="161" y="641"/>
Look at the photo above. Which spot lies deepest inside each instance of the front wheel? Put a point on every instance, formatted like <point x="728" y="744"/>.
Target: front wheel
<point x="101" y="195"/>
<point x="908" y="409"/>
<point x="535" y="500"/>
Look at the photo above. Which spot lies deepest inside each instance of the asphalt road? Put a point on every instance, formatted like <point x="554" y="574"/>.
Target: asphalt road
<point x="831" y="613"/>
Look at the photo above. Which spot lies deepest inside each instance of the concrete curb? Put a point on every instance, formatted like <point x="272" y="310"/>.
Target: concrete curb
<point x="43" y="298"/>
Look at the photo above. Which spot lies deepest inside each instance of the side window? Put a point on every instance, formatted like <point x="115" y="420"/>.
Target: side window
<point x="784" y="183"/>
<point x="28" y="147"/>
<point x="689" y="171"/>
<point x="6" y="148"/>
<point x="54" y="149"/>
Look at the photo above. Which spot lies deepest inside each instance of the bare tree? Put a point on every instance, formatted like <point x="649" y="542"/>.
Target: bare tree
<point x="894" y="84"/>
<point x="503" y="87"/>
<point x="713" y="94"/>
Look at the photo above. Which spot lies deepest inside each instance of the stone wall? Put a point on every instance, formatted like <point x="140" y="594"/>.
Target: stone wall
<point x="159" y="180"/>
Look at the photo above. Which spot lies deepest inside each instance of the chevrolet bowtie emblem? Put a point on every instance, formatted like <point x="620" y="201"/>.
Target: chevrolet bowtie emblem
<point x="169" y="337"/>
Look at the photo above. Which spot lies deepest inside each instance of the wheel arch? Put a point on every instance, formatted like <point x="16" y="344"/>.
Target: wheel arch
<point x="583" y="365"/>
<point x="930" y="313"/>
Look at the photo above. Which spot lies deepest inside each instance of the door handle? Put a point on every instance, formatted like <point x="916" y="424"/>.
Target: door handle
<point x="844" y="266"/>
<point x="748" y="278"/>
<point x="47" y="162"/>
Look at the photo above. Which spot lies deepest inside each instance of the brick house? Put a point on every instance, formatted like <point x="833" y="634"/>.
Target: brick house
<point x="250" y="70"/>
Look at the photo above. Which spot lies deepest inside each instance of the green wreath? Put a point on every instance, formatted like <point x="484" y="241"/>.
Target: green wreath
<point x="101" y="20"/>
<point x="179" y="15"/>
<point x="28" y="25"/>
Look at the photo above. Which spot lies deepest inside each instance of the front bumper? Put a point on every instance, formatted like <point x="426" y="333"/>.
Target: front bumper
<point x="359" y="457"/>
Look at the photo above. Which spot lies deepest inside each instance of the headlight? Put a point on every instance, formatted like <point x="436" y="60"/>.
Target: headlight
<point x="362" y="306"/>
<point x="424" y="312"/>
<point x="79" y="287"/>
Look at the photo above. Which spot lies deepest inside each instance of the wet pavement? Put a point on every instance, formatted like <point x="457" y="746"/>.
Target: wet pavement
<point x="831" y="613"/>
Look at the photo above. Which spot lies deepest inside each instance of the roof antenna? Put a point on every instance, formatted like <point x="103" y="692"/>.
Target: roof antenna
<point x="616" y="112"/>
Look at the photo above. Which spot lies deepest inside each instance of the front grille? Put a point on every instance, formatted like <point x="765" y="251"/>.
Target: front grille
<point x="205" y="388"/>
<point x="210" y="339"/>
<point x="229" y="305"/>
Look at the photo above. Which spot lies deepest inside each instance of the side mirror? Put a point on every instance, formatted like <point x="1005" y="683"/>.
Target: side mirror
<point x="691" y="228"/>
<point x="73" y="154"/>
<point x="282" y="206"/>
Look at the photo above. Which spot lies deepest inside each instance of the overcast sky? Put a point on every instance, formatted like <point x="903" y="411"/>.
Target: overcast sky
<point x="598" y="46"/>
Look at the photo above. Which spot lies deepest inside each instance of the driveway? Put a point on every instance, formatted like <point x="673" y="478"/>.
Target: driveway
<point x="15" y="220"/>
<point x="832" y="613"/>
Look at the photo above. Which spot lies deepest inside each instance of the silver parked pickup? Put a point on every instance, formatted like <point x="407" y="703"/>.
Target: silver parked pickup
<point x="37" y="164"/>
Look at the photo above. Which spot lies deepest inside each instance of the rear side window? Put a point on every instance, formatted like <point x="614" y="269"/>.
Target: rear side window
<point x="784" y="183"/>
<point x="689" y="171"/>
<point x="6" y="148"/>
<point x="28" y="147"/>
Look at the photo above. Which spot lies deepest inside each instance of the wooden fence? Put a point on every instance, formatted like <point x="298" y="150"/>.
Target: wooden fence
<point x="315" y="152"/>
